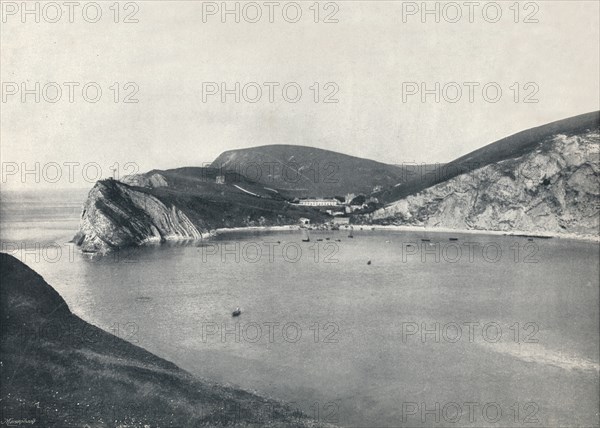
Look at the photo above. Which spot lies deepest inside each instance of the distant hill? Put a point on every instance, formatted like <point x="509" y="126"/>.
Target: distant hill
<point x="546" y="179"/>
<point x="59" y="371"/>
<point x="510" y="147"/>
<point x="308" y="171"/>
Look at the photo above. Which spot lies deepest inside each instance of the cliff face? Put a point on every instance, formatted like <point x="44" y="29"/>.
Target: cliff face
<point x="554" y="188"/>
<point x="116" y="215"/>
<point x="177" y="205"/>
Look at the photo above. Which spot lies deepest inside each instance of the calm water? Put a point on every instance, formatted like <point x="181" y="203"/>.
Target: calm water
<point x="511" y="325"/>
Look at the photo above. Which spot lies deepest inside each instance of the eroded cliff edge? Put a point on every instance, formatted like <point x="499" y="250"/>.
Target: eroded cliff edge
<point x="175" y="206"/>
<point x="116" y="215"/>
<point x="554" y="189"/>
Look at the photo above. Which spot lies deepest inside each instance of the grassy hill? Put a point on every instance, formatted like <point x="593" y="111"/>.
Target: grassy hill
<point x="511" y="147"/>
<point x="63" y="372"/>
<point x="307" y="171"/>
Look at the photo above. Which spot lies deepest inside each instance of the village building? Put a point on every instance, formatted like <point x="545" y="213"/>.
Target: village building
<point x="341" y="220"/>
<point x="319" y="202"/>
<point x="304" y="221"/>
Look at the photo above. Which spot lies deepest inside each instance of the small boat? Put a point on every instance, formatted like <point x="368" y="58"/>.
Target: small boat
<point x="236" y="313"/>
<point x="533" y="236"/>
<point x="305" y="237"/>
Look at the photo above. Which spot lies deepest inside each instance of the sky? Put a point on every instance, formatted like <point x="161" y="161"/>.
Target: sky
<point x="372" y="58"/>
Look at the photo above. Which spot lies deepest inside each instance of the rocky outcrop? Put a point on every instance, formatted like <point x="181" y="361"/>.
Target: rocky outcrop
<point x="116" y="215"/>
<point x="554" y="188"/>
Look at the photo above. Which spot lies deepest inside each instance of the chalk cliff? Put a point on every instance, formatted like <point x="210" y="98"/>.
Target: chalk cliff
<point x="554" y="188"/>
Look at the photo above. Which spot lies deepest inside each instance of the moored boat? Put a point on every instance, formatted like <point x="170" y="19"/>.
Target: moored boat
<point x="305" y="236"/>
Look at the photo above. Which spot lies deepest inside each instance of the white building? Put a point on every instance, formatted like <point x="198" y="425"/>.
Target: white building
<point x="304" y="221"/>
<point x="341" y="220"/>
<point x="319" y="202"/>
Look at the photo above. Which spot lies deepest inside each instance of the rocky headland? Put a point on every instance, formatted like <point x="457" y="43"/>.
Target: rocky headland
<point x="178" y="205"/>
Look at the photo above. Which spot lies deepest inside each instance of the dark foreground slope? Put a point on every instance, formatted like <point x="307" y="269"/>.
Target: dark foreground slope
<point x="58" y="370"/>
<point x="512" y="147"/>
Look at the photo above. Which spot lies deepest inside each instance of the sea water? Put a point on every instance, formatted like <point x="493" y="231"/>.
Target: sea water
<point x="386" y="328"/>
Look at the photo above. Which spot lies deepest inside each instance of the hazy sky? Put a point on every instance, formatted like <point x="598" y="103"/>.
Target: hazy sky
<point x="367" y="54"/>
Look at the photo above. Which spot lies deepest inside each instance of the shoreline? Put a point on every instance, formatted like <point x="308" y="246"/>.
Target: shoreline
<point x="407" y="228"/>
<point x="227" y="230"/>
<point x="212" y="234"/>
